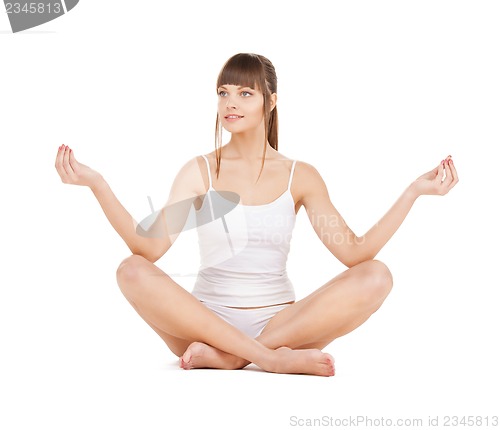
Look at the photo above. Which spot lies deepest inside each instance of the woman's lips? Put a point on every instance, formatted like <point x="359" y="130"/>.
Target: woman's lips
<point x="233" y="117"/>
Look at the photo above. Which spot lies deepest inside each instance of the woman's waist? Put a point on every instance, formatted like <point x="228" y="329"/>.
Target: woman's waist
<point x="219" y="274"/>
<point x="260" y="290"/>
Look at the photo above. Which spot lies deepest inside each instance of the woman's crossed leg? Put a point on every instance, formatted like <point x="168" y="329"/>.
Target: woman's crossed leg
<point x="202" y="339"/>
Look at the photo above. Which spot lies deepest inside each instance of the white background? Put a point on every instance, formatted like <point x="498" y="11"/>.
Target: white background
<point x="373" y="94"/>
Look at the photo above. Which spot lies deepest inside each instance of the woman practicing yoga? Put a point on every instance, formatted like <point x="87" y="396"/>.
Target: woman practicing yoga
<point x="242" y="308"/>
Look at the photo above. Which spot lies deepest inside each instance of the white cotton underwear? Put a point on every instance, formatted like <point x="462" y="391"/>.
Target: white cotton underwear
<point x="249" y="321"/>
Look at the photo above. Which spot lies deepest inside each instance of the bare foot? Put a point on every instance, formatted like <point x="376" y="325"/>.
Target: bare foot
<point x="200" y="355"/>
<point x="305" y="361"/>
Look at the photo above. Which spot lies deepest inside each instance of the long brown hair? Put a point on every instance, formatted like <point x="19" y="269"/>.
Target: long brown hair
<point x="254" y="71"/>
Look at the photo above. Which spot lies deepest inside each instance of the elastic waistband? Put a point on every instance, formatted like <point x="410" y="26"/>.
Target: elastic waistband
<point x="270" y="307"/>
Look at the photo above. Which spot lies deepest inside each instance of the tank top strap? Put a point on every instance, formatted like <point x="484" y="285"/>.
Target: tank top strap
<point x="209" y="174"/>
<point x="291" y="174"/>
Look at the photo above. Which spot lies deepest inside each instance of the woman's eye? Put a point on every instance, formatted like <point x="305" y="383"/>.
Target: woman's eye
<point x="222" y="93"/>
<point x="246" y="93"/>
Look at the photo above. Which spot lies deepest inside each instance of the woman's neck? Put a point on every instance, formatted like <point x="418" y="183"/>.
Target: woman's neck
<point x="249" y="146"/>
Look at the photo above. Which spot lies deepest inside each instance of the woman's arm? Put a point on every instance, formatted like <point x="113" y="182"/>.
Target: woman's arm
<point x="340" y="239"/>
<point x="152" y="248"/>
<point x="431" y="183"/>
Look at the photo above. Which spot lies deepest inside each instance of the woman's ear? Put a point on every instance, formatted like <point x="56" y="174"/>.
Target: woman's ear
<point x="273" y="101"/>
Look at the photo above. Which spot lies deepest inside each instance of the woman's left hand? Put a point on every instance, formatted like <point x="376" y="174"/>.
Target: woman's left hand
<point x="433" y="182"/>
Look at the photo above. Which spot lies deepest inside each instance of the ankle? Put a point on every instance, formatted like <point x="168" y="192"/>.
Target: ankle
<point x="269" y="361"/>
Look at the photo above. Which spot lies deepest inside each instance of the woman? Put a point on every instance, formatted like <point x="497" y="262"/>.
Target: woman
<point x="242" y="309"/>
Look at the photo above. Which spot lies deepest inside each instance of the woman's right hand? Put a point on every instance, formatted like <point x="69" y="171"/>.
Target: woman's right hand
<point x="74" y="172"/>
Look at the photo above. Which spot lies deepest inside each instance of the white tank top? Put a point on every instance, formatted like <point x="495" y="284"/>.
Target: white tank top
<point x="243" y="254"/>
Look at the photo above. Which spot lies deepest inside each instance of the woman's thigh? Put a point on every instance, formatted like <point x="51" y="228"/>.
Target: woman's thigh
<point x="343" y="303"/>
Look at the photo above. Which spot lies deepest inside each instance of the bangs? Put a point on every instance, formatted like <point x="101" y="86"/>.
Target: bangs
<point x="244" y="70"/>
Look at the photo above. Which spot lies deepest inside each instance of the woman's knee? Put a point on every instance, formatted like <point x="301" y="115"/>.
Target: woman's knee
<point x="378" y="281"/>
<point x="130" y="270"/>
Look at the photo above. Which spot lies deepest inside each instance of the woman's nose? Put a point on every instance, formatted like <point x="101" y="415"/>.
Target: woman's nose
<point x="230" y="102"/>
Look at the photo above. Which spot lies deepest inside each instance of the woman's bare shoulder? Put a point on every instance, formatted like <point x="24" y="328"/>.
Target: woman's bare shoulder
<point x="192" y="177"/>
<point x="307" y="180"/>
<point x="306" y="170"/>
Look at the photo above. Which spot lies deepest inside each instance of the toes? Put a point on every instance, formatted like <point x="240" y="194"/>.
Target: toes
<point x="191" y="357"/>
<point x="185" y="360"/>
<point x="331" y="364"/>
<point x="183" y="364"/>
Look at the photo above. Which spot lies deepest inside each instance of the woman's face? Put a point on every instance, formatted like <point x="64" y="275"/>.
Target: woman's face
<point x="240" y="108"/>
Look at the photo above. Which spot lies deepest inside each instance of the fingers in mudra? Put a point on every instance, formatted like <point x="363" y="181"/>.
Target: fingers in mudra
<point x="73" y="172"/>
<point x="61" y="164"/>
<point x="450" y="178"/>
<point x="70" y="174"/>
